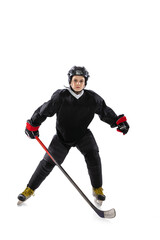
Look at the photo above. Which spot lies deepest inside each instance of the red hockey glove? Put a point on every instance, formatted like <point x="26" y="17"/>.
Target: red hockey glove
<point x="31" y="131"/>
<point x="122" y="124"/>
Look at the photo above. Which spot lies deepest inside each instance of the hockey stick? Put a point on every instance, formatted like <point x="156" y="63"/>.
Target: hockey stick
<point x="104" y="214"/>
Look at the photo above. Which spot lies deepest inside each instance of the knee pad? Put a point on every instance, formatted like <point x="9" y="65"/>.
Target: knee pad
<point x="93" y="159"/>
<point x="93" y="162"/>
<point x="47" y="166"/>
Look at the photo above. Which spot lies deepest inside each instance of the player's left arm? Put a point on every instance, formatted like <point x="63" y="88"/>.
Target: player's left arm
<point x="107" y="115"/>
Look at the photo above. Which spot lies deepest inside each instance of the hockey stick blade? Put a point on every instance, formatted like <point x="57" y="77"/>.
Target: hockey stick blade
<point x="104" y="214"/>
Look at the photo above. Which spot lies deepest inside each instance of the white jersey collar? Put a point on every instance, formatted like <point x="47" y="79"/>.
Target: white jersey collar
<point x="77" y="96"/>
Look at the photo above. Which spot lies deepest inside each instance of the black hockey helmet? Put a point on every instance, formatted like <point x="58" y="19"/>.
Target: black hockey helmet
<point x="79" y="71"/>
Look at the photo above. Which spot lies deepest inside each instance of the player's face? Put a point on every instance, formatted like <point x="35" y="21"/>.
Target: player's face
<point x="77" y="83"/>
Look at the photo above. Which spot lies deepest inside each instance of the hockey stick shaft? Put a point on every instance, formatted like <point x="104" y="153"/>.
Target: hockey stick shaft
<point x="102" y="214"/>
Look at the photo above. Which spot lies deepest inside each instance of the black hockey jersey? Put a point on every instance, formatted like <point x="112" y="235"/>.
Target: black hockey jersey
<point x="74" y="114"/>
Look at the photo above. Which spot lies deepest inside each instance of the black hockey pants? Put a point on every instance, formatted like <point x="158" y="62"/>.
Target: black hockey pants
<point x="86" y="145"/>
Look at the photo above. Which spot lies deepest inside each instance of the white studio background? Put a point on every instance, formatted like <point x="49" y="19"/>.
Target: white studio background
<point x="118" y="43"/>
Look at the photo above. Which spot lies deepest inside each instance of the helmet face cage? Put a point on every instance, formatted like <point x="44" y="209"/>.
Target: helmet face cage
<point x="79" y="71"/>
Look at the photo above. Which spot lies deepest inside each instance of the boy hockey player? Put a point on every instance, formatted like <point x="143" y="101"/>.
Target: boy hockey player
<point x="75" y="108"/>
